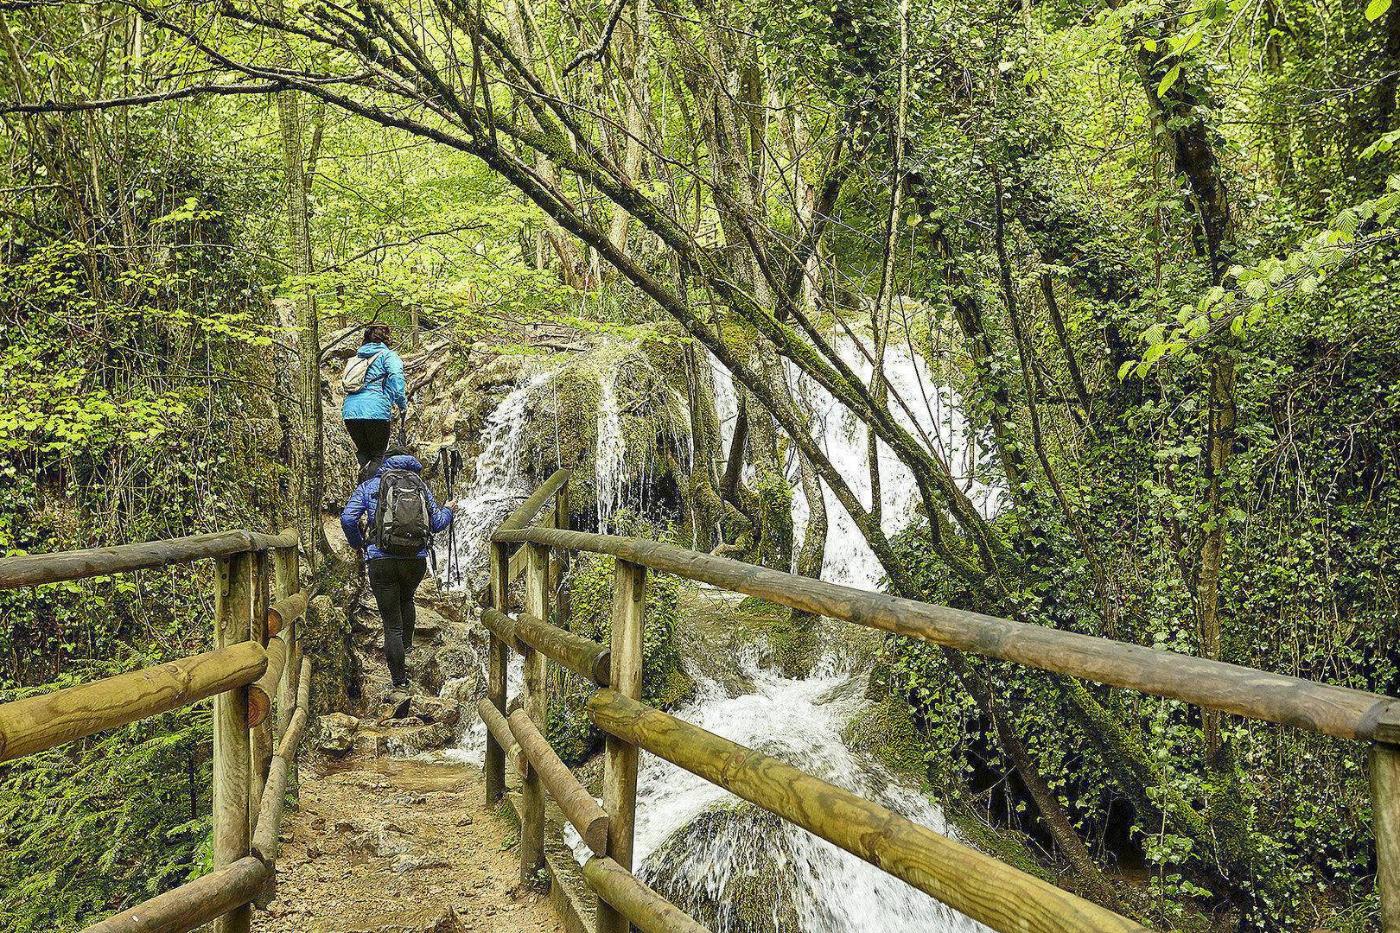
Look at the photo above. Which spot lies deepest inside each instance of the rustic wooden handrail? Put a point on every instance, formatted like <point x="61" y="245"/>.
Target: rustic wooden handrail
<point x="256" y="660"/>
<point x="576" y="803"/>
<point x="584" y="657"/>
<point x="41" y="722"/>
<point x="531" y="507"/>
<point x="35" y="569"/>
<point x="1337" y="711"/>
<point x="978" y="885"/>
<point x="193" y="904"/>
<point x="647" y="910"/>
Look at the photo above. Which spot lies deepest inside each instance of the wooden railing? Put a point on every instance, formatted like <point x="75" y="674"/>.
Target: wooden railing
<point x="969" y="881"/>
<point x="256" y="666"/>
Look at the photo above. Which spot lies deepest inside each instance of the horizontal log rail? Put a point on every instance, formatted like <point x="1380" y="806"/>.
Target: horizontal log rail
<point x="193" y="904"/>
<point x="499" y="730"/>
<point x="577" y="804"/>
<point x="647" y="910"/>
<point x="36" y="569"/>
<point x="583" y="656"/>
<point x="977" y="885"/>
<point x="262" y="691"/>
<point x="531" y="507"/>
<point x="286" y="611"/>
<point x="41" y="722"/>
<point x="1337" y="711"/>
<point x="257" y="660"/>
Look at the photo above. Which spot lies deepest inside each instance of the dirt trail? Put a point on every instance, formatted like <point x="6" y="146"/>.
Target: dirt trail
<point x="383" y="845"/>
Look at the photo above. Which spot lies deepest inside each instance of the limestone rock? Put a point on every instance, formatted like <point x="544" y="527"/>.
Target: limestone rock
<point x="435" y="709"/>
<point x="337" y="733"/>
<point x="419" y="739"/>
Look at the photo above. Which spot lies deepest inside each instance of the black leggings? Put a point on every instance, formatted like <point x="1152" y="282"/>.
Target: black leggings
<point x="371" y="437"/>
<point x="393" y="581"/>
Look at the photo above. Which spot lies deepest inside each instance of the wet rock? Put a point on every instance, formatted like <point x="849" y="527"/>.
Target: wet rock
<point x="428" y="626"/>
<point x="382" y="839"/>
<point x="466" y="690"/>
<point x="396" y="705"/>
<point x="435" y="709"/>
<point x="419" y="739"/>
<point x="756" y="894"/>
<point x="337" y="733"/>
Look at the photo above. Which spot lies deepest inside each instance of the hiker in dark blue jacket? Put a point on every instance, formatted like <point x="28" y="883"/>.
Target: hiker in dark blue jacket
<point x="392" y="578"/>
<point x="375" y="390"/>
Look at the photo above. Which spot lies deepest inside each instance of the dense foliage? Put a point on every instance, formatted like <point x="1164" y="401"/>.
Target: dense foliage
<point x="1150" y="245"/>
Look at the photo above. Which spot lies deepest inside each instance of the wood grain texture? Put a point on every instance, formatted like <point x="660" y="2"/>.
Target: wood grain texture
<point x="1385" y="809"/>
<point x="620" y="755"/>
<point x="285" y="611"/>
<point x="966" y="880"/>
<point x="536" y="708"/>
<point x="1330" y="710"/>
<point x="576" y="803"/>
<point x="194" y="904"/>
<point x="34" y="569"/>
<point x="233" y="614"/>
<point x="584" y="657"/>
<point x="37" y="723"/>
<point x="649" y="911"/>
<point x="262" y="691"/>
<point x="497" y="654"/>
<point x="499" y="730"/>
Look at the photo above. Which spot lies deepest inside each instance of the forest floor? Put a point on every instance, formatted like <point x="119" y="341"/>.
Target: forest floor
<point x="386" y="845"/>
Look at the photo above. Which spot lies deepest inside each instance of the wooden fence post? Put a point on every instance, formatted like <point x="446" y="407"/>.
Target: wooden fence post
<point x="496" y="658"/>
<point x="1385" y="809"/>
<point x="563" y="605"/>
<point x="260" y="741"/>
<point x="537" y="709"/>
<point x="620" y="763"/>
<point x="233" y="610"/>
<point x="285" y="582"/>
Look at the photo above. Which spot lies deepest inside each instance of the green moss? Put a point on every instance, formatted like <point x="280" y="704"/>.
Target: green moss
<point x="886" y="731"/>
<point x="664" y="683"/>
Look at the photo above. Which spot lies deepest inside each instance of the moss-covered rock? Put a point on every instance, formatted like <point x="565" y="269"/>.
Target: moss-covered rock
<point x="731" y="868"/>
<point x="886" y="731"/>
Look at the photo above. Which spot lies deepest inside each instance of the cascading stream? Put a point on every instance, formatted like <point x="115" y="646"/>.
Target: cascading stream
<point x="696" y="842"/>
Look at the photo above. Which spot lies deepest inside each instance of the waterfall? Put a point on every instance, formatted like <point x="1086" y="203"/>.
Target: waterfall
<point x="698" y="843"/>
<point x="497" y="485"/>
<point x="609" y="463"/>
<point x="934" y="418"/>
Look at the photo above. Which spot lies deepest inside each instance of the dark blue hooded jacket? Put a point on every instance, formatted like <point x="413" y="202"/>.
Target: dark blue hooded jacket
<point x="365" y="502"/>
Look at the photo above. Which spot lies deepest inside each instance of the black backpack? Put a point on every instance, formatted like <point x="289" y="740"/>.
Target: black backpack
<point x="403" y="521"/>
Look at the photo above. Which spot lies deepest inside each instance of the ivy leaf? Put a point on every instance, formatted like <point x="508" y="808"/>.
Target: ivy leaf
<point x="1376" y="9"/>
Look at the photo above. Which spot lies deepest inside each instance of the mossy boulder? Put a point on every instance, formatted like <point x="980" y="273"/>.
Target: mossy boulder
<point x="731" y="868"/>
<point x="887" y="732"/>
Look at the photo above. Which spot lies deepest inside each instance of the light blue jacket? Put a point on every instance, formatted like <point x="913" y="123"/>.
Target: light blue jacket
<point x="365" y="502"/>
<point x="384" y="387"/>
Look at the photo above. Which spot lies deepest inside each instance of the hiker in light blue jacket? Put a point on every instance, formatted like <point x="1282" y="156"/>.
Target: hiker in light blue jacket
<point x="375" y="390"/>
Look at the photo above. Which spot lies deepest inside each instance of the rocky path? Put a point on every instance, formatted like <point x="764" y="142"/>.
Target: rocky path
<point x="385" y="845"/>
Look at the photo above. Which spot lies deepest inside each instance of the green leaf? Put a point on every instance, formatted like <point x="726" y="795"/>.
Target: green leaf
<point x="1170" y="77"/>
<point x="1376" y="9"/>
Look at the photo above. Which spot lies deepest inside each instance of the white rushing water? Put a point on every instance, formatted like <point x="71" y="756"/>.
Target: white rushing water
<point x="498" y="485"/>
<point x="610" y="455"/>
<point x="821" y="887"/>
<point x="933" y="417"/>
<point x="699" y="843"/>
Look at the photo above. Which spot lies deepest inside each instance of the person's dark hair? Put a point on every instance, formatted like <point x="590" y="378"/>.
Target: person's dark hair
<point x="377" y="333"/>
